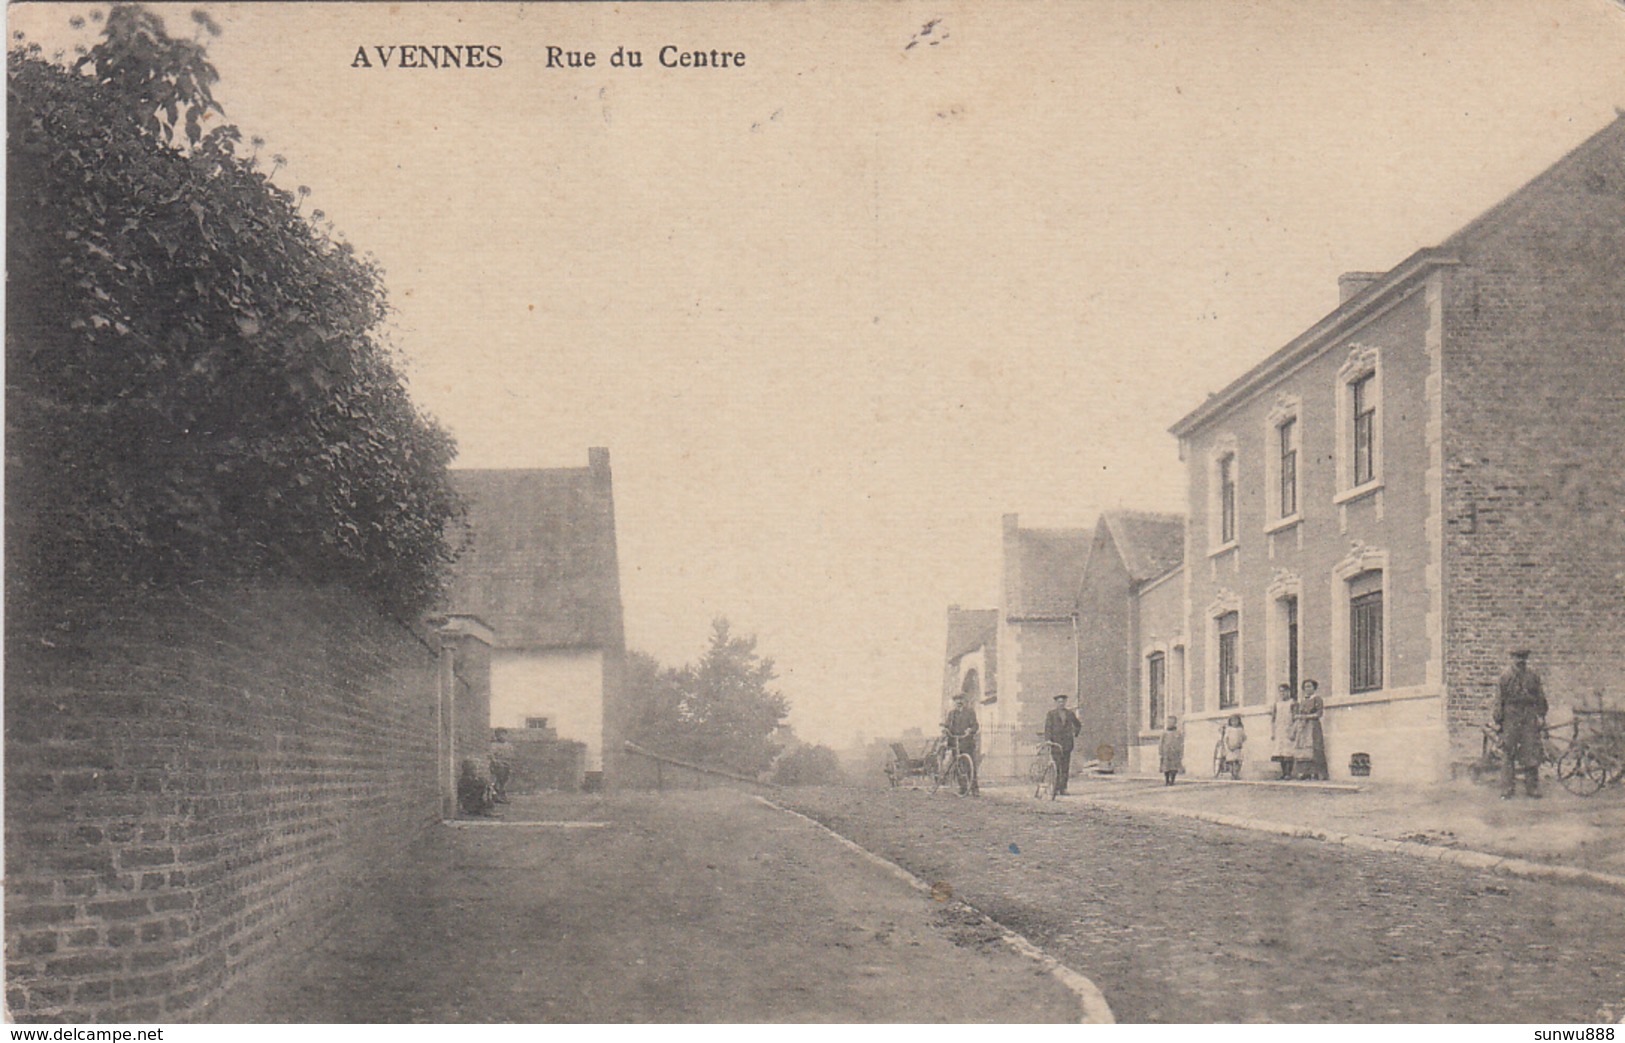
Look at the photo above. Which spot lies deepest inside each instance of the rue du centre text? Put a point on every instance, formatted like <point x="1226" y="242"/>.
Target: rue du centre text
<point x="490" y="56"/>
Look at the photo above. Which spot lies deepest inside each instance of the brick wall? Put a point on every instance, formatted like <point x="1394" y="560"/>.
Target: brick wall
<point x="1105" y="635"/>
<point x="1046" y="665"/>
<point x="190" y="781"/>
<point x="1534" y="410"/>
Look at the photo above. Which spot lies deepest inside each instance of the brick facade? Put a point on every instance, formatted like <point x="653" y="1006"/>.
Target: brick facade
<point x="1160" y="631"/>
<point x="1492" y="374"/>
<point x="1534" y="407"/>
<point x="190" y="783"/>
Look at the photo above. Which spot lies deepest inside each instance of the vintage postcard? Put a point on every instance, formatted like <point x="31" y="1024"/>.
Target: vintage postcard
<point x="816" y="512"/>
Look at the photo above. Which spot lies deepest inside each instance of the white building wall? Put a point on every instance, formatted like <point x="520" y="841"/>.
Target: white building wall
<point x="566" y="687"/>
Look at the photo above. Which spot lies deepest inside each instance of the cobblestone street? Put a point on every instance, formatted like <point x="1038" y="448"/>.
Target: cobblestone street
<point x="1183" y="921"/>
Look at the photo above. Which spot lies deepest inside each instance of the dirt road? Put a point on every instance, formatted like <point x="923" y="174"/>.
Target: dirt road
<point x="694" y="907"/>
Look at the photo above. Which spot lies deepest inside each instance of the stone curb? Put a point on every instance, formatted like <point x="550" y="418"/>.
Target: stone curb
<point x="1096" y="1011"/>
<point x="1520" y="867"/>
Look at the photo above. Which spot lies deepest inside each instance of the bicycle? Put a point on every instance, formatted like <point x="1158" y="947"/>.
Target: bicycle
<point x="1493" y="751"/>
<point x="1595" y="758"/>
<point x="1045" y="773"/>
<point x="955" y="766"/>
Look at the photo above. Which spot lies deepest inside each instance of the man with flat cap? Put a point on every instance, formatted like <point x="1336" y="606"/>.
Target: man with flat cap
<point x="1520" y="713"/>
<point x="962" y="726"/>
<point x="1061" y="726"/>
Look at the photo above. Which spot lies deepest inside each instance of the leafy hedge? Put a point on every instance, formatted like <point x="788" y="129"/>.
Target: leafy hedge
<point x="196" y="386"/>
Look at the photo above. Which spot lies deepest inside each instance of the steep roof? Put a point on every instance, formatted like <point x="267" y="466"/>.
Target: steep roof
<point x="542" y="567"/>
<point x="970" y="629"/>
<point x="1149" y="543"/>
<point x="1042" y="569"/>
<point x="1400" y="277"/>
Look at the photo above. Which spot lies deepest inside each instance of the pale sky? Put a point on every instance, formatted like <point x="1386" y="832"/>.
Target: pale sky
<point x="837" y="311"/>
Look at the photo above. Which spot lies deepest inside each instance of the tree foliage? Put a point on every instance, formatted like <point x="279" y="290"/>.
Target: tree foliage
<point x="720" y="711"/>
<point x="196" y="380"/>
<point x="807" y="765"/>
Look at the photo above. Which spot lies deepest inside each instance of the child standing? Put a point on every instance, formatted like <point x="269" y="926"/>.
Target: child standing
<point x="1171" y="752"/>
<point x="1231" y="739"/>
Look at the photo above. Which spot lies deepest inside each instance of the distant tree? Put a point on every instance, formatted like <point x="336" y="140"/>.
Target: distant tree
<point x="806" y="765"/>
<point x="196" y="383"/>
<point x="720" y="711"/>
<point x="655" y="696"/>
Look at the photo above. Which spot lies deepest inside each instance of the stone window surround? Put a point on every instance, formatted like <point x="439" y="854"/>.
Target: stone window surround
<point x="1286" y="408"/>
<point x="1223" y="446"/>
<point x="1283" y="585"/>
<point x="1174" y="666"/>
<point x="1360" y="559"/>
<point x="1362" y="362"/>
<point x="1224" y="601"/>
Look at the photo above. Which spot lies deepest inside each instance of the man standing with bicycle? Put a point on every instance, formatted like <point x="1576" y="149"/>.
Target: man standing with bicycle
<point x="1520" y="713"/>
<point x="963" y="729"/>
<point x="1061" y="727"/>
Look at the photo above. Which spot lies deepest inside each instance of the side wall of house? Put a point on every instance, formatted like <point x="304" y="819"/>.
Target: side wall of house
<point x="1161" y="608"/>
<point x="190" y="783"/>
<point x="1105" y="635"/>
<point x="566" y="687"/>
<point x="1534" y="402"/>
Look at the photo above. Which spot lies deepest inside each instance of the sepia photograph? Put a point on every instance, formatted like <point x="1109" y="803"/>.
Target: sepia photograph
<point x="868" y="513"/>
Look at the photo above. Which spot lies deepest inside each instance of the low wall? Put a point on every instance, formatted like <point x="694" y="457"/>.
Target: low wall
<point x="190" y="782"/>
<point x="540" y="765"/>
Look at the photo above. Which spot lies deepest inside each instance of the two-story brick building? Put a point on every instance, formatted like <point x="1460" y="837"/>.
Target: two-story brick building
<point x="1018" y="657"/>
<point x="1423" y="479"/>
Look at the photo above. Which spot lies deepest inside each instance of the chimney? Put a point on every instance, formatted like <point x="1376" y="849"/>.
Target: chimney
<point x="1351" y="284"/>
<point x="598" y="460"/>
<point x="1010" y="525"/>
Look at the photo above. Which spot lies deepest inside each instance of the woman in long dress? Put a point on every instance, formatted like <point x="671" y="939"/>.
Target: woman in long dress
<point x="1309" y="741"/>
<point x="1281" y="742"/>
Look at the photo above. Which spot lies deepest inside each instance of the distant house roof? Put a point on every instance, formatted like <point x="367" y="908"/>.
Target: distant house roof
<point x="1149" y="543"/>
<point x="542" y="568"/>
<point x="1042" y="569"/>
<point x="970" y="629"/>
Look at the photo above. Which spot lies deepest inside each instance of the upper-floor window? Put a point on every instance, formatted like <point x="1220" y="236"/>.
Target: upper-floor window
<point x="1363" y="406"/>
<point x="1227" y="498"/>
<point x="1229" y="632"/>
<point x="1359" y="424"/>
<point x="1287" y="439"/>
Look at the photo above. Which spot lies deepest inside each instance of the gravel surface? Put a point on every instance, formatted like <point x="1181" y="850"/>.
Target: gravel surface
<point x="1184" y="921"/>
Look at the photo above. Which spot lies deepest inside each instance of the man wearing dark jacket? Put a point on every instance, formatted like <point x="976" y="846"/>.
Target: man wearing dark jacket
<point x="961" y="725"/>
<point x="1061" y="726"/>
<point x="1520" y="711"/>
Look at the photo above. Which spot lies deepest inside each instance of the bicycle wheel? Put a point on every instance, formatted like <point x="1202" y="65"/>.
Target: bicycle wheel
<point x="1044" y="786"/>
<point x="964" y="774"/>
<point x="939" y="775"/>
<point x="1035" y="775"/>
<point x="1581" y="772"/>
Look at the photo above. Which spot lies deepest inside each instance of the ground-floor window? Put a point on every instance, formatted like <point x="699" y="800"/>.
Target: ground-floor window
<point x="1365" y="632"/>
<point x="1229" y="629"/>
<point x="1156" y="681"/>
